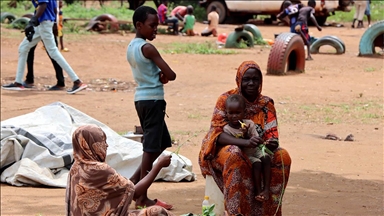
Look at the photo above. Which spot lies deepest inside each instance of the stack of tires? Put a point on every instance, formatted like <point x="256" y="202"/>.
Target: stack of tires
<point x="287" y="54"/>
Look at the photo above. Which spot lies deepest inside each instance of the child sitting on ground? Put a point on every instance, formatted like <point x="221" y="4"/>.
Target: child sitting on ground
<point x="245" y="129"/>
<point x="213" y="23"/>
<point x="189" y="22"/>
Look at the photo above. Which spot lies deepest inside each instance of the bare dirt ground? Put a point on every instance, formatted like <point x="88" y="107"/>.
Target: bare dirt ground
<point x="342" y="94"/>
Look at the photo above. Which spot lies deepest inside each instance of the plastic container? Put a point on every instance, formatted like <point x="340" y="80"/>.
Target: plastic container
<point x="205" y="204"/>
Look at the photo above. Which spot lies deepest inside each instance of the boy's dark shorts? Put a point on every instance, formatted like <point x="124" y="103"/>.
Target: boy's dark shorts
<point x="304" y="28"/>
<point x="156" y="135"/>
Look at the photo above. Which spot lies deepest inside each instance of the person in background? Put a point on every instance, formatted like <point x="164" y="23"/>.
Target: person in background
<point x="40" y="28"/>
<point x="213" y="23"/>
<point x="292" y="11"/>
<point x="60" y="26"/>
<point x="306" y="13"/>
<point x="30" y="78"/>
<point x="360" y="7"/>
<point x="165" y="20"/>
<point x="189" y="22"/>
<point x="368" y="12"/>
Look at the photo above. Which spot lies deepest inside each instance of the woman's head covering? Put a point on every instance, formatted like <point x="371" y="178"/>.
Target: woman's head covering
<point x="241" y="71"/>
<point x="254" y="111"/>
<point x="89" y="144"/>
<point x="95" y="188"/>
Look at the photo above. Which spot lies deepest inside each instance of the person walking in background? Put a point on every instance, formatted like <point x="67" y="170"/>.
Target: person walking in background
<point x="29" y="81"/>
<point x="360" y="7"/>
<point x="368" y="12"/>
<point x="40" y="28"/>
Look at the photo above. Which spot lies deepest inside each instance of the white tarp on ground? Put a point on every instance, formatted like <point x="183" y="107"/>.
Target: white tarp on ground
<point x="36" y="149"/>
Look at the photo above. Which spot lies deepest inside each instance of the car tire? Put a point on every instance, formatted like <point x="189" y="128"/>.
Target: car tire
<point x="220" y="8"/>
<point x="254" y="31"/>
<point x="28" y="15"/>
<point x="20" y="23"/>
<point x="113" y="22"/>
<point x="234" y="38"/>
<point x="338" y="39"/>
<point x="7" y="16"/>
<point x="288" y="49"/>
<point x="327" y="40"/>
<point x="371" y="38"/>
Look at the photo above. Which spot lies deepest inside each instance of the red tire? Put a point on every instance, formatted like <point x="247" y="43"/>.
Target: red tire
<point x="288" y="49"/>
<point x="98" y="23"/>
<point x="28" y="15"/>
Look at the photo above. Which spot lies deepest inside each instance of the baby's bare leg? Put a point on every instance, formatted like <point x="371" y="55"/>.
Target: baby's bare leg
<point x="256" y="169"/>
<point x="266" y="165"/>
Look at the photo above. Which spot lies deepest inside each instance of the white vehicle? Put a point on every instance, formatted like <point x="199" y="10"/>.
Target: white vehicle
<point x="240" y="11"/>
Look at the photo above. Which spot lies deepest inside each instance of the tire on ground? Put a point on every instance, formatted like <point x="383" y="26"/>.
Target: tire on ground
<point x="287" y="50"/>
<point x="234" y="39"/>
<point x="20" y="23"/>
<point x="315" y="46"/>
<point x="7" y="16"/>
<point x="338" y="39"/>
<point x="372" y="37"/>
<point x="254" y="31"/>
<point x="95" y="24"/>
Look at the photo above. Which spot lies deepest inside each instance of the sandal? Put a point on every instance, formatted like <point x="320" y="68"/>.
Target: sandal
<point x="163" y="204"/>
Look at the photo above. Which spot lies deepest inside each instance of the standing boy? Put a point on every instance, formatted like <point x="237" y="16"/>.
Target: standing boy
<point x="301" y="25"/>
<point x="60" y="26"/>
<point x="150" y="72"/>
<point x="40" y="28"/>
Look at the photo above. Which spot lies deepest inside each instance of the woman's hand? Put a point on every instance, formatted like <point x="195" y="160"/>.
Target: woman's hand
<point x="164" y="160"/>
<point x="272" y="144"/>
<point x="163" y="79"/>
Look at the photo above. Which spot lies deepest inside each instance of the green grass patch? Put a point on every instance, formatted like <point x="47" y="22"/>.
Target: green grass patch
<point x="196" y="48"/>
<point x="367" y="112"/>
<point x="377" y="14"/>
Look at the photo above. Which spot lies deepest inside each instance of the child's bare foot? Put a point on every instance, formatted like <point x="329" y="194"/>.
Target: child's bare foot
<point x="263" y="196"/>
<point x="309" y="58"/>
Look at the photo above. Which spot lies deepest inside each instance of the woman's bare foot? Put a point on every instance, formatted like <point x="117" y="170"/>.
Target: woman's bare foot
<point x="140" y="203"/>
<point x="263" y="196"/>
